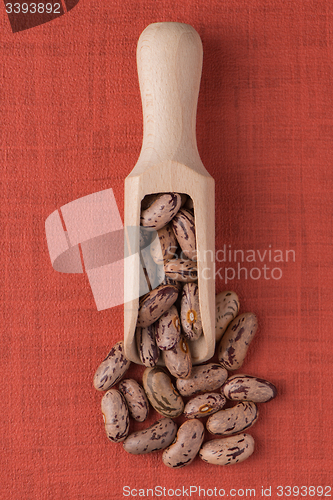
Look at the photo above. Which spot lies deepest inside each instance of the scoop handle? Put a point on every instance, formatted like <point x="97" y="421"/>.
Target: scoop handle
<point x="169" y="61"/>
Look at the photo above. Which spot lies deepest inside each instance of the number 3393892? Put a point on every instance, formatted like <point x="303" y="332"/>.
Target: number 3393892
<point x="33" y="8"/>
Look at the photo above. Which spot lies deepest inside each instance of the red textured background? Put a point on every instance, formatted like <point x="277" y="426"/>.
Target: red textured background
<point x="71" y="125"/>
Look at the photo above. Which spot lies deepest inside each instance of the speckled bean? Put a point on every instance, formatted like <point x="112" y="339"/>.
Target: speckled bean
<point x="146" y="345"/>
<point x="136" y="399"/>
<point x="162" y="209"/>
<point x="161" y="393"/>
<point x="227" y="307"/>
<point x="190" y="311"/>
<point x="181" y="270"/>
<point x="115" y="415"/>
<point x="236" y="341"/>
<point x="155" y="303"/>
<point x="204" y="404"/>
<point x="249" y="388"/>
<point x="184" y="229"/>
<point x="164" y="246"/>
<point x="186" y="446"/>
<point x="227" y="451"/>
<point x="157" y="437"/>
<point x="233" y="420"/>
<point x="178" y="359"/>
<point x="112" y="369"/>
<point x="203" y="378"/>
<point x="167" y="330"/>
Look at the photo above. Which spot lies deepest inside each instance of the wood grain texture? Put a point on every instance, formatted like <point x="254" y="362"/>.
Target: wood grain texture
<point x="169" y="59"/>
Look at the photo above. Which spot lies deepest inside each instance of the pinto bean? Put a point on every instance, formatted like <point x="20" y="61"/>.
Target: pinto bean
<point x="168" y="329"/>
<point x="146" y="345"/>
<point x="236" y="341"/>
<point x="157" y="437"/>
<point x="112" y="369"/>
<point x="178" y="359"/>
<point x="249" y="388"/>
<point x="183" y="226"/>
<point x="227" y="451"/>
<point x="115" y="415"/>
<point x="227" y="307"/>
<point x="161" y="393"/>
<point x="203" y="378"/>
<point x="204" y="404"/>
<point x="190" y="311"/>
<point x="160" y="211"/>
<point x="136" y="399"/>
<point x="186" y="446"/>
<point x="181" y="270"/>
<point x="233" y="420"/>
<point x="155" y="303"/>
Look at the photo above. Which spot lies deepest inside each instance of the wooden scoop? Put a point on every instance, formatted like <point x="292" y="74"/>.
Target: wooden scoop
<point x="169" y="59"/>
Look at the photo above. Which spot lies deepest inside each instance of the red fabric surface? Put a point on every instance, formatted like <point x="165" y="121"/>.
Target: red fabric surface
<point x="71" y="125"/>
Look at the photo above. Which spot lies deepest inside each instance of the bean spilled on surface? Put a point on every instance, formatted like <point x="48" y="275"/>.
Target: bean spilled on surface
<point x="168" y="321"/>
<point x="233" y="420"/>
<point x="236" y="341"/>
<point x="136" y="399"/>
<point x="226" y="309"/>
<point x="204" y="405"/>
<point x="186" y="446"/>
<point x="227" y="451"/>
<point x="115" y="415"/>
<point x="161" y="393"/>
<point x="111" y="370"/>
<point x="157" y="437"/>
<point x="249" y="388"/>
<point x="203" y="378"/>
